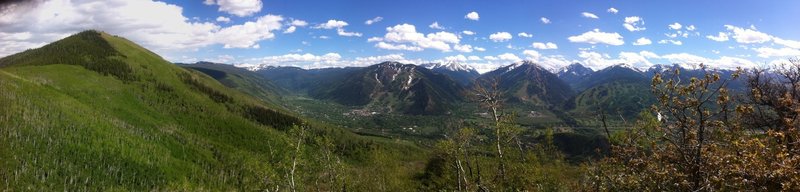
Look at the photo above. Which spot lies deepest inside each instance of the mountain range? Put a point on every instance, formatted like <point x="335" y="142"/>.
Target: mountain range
<point x="434" y="88"/>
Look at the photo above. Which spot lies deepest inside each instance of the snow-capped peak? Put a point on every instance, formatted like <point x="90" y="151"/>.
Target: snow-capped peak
<point x="450" y="65"/>
<point x="254" y="67"/>
<point x="629" y="66"/>
<point x="575" y="69"/>
<point x="514" y="65"/>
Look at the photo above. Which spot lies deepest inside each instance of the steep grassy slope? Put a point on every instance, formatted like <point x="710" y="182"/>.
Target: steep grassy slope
<point x="67" y="124"/>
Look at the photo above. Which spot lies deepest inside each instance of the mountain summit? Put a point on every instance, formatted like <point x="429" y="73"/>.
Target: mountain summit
<point x="574" y="73"/>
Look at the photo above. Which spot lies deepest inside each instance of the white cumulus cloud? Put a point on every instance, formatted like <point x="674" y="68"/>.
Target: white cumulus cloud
<point x="589" y="15"/>
<point x="389" y="46"/>
<point x="634" y="23"/>
<point x="548" y="45"/>
<point x="332" y="24"/>
<point x="531" y="55"/>
<point x="767" y="52"/>
<point x="545" y="20"/>
<point x="342" y="32"/>
<point x="613" y="10"/>
<point x="299" y="23"/>
<point x="523" y="34"/>
<point x="472" y="16"/>
<point x="405" y="37"/>
<point x="306" y="60"/>
<point x="720" y="37"/>
<point x="223" y="19"/>
<point x="642" y="41"/>
<point x="596" y="36"/>
<point x="508" y="57"/>
<point x="500" y="36"/>
<point x="249" y="33"/>
<point x="751" y="35"/>
<point x="241" y="8"/>
<point x="674" y="42"/>
<point x="675" y="26"/>
<point x="290" y="29"/>
<point x="339" y="26"/>
<point x="435" y="25"/>
<point x="463" y="48"/>
<point x="373" y="20"/>
<point x="788" y="43"/>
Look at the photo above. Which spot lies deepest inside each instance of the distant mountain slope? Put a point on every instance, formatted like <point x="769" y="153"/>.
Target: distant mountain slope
<point x="393" y="87"/>
<point x="460" y="73"/>
<point x="618" y="90"/>
<point x="527" y="82"/>
<point x="95" y="112"/>
<point x="611" y="74"/>
<point x="617" y="98"/>
<point x="299" y="80"/>
<point x="241" y="79"/>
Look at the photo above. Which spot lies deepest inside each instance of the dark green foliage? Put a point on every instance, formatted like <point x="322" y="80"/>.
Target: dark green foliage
<point x="270" y="117"/>
<point x="581" y="147"/>
<point x="216" y="74"/>
<point x="212" y="93"/>
<point x="87" y="49"/>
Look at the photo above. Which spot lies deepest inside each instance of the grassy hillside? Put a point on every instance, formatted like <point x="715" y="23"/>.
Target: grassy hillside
<point x="98" y="112"/>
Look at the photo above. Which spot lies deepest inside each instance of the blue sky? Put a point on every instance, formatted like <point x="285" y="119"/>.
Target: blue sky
<point x="724" y="34"/>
